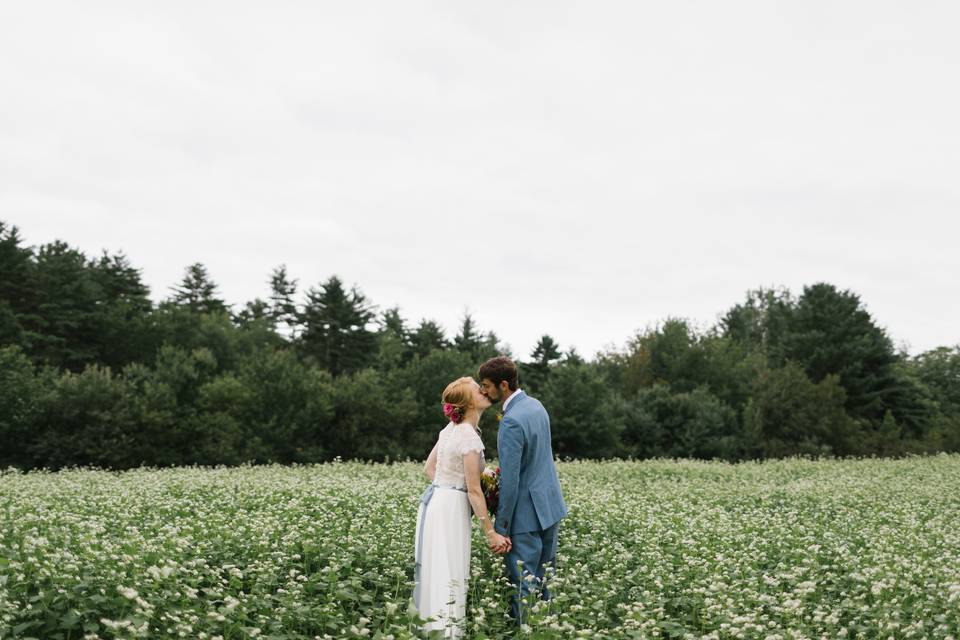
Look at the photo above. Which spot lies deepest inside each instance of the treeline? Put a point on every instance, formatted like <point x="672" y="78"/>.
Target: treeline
<point x="93" y="372"/>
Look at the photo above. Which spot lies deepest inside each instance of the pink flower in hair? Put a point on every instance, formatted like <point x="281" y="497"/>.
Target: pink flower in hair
<point x="451" y="412"/>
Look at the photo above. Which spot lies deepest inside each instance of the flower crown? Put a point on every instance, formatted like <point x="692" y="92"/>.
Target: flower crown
<point x="452" y="412"/>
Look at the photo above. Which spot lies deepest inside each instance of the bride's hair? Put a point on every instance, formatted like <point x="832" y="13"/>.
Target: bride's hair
<point x="459" y="395"/>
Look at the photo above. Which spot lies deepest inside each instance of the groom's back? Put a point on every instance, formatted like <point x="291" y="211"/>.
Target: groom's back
<point x="538" y="473"/>
<point x="535" y="421"/>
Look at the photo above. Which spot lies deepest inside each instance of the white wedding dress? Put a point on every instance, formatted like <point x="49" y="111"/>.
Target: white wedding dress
<point x="442" y="543"/>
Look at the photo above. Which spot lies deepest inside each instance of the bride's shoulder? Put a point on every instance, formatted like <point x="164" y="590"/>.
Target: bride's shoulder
<point x="467" y="430"/>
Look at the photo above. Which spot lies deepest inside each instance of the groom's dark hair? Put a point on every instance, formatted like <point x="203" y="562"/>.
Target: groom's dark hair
<point x="500" y="369"/>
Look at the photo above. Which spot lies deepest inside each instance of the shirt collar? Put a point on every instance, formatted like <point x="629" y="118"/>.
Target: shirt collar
<point x="510" y="399"/>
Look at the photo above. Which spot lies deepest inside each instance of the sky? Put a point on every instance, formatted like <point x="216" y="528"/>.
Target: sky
<point x="581" y="169"/>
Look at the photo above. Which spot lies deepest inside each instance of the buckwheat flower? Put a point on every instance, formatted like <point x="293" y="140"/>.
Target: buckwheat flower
<point x="128" y="593"/>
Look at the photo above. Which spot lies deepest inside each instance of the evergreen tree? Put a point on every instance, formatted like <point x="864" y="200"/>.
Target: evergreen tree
<point x="489" y="347"/>
<point x="121" y="284"/>
<point x="123" y="316"/>
<point x="394" y="340"/>
<point x="832" y="334"/>
<point x="68" y="309"/>
<point x="468" y="340"/>
<point x="335" y="334"/>
<point x="18" y="294"/>
<point x="256" y="310"/>
<point x="428" y="336"/>
<point x="537" y="371"/>
<point x="197" y="292"/>
<point x="283" y="309"/>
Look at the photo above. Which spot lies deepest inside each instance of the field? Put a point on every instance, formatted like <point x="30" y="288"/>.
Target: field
<point x="787" y="549"/>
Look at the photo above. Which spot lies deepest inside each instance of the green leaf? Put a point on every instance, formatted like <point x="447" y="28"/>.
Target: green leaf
<point x="69" y="621"/>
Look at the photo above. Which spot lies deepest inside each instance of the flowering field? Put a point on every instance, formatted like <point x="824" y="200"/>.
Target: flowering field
<point x="790" y="549"/>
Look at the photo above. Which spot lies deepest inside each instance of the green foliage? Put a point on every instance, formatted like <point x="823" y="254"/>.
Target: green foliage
<point x="198" y="292"/>
<point x="20" y="392"/>
<point x="659" y="421"/>
<point x="287" y="408"/>
<point x="426" y="377"/>
<point x="282" y="307"/>
<point x="372" y="417"/>
<point x="763" y="322"/>
<point x="427" y="337"/>
<point x="939" y="370"/>
<point x="479" y="347"/>
<point x="92" y="372"/>
<point x="335" y="333"/>
<point x="788" y="414"/>
<point x="583" y="410"/>
<point x="832" y="334"/>
<point x="536" y="372"/>
<point x="676" y="354"/>
<point x="83" y="420"/>
<point x="18" y="291"/>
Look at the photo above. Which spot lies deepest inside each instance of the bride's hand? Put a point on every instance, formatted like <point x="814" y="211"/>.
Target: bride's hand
<point x="498" y="543"/>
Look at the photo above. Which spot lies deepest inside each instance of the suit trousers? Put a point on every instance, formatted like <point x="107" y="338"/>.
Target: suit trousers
<point x="526" y="564"/>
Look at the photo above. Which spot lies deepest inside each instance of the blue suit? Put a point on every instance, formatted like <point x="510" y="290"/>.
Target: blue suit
<point x="531" y="504"/>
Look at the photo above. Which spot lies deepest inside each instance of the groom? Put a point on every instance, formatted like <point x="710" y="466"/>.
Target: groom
<point x="531" y="504"/>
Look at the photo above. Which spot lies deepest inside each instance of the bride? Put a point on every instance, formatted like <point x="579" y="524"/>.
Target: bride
<point x="442" y="543"/>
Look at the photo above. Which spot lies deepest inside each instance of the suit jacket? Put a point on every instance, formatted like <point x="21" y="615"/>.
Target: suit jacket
<point x="530" y="498"/>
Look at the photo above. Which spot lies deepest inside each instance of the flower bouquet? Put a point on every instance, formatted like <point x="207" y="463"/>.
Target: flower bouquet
<point x="490" y="481"/>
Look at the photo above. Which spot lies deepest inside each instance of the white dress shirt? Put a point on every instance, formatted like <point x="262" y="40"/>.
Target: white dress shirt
<point x="507" y="401"/>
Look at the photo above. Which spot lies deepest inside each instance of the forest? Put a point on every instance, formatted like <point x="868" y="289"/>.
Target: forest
<point x="95" y="371"/>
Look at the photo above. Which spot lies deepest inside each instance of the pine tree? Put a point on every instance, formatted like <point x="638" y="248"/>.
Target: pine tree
<point x="18" y="293"/>
<point x="122" y="317"/>
<point x="537" y="371"/>
<point x="256" y="310"/>
<point x="831" y="333"/>
<point x="198" y="292"/>
<point x="283" y="309"/>
<point x="68" y="310"/>
<point x="428" y="336"/>
<point x="121" y="283"/>
<point x="394" y="340"/>
<point x="335" y="334"/>
<point x="468" y="340"/>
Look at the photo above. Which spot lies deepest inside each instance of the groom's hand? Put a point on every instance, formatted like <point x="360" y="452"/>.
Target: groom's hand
<point x="498" y="543"/>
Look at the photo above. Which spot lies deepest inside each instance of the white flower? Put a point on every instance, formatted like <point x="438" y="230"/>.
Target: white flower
<point x="128" y="593"/>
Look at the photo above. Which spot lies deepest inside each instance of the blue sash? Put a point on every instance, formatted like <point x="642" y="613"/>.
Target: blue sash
<point x="425" y="500"/>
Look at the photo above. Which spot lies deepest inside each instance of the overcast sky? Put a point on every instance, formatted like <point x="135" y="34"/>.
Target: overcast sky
<point x="580" y="169"/>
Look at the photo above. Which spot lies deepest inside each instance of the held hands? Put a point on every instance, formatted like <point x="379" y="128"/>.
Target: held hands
<point x="498" y="544"/>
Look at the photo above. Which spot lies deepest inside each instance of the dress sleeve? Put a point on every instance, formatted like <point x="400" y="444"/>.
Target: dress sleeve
<point x="470" y="441"/>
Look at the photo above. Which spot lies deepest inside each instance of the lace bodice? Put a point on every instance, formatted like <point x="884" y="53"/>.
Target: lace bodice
<point x="454" y="442"/>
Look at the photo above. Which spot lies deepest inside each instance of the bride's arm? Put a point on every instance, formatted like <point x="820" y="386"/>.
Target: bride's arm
<point x="472" y="468"/>
<point x="430" y="468"/>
